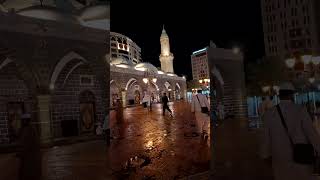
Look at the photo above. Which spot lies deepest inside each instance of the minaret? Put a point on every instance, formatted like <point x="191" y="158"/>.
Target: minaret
<point x="166" y="57"/>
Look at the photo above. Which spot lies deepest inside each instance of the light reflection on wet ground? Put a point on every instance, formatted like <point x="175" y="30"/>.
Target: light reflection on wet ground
<point x="157" y="147"/>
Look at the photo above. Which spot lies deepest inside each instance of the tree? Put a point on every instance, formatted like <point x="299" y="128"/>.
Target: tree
<point x="267" y="72"/>
<point x="192" y="84"/>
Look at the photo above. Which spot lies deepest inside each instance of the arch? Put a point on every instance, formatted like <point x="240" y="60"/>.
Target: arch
<point x="71" y="70"/>
<point x="5" y="62"/>
<point x="167" y="85"/>
<point x="131" y="81"/>
<point x="178" y="85"/>
<point x="155" y="84"/>
<point x="62" y="63"/>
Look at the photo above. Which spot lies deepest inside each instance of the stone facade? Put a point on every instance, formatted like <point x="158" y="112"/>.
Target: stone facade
<point x="40" y="69"/>
<point x="124" y="81"/>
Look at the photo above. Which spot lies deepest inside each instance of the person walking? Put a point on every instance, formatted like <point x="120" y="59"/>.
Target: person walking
<point x="165" y="106"/>
<point x="30" y="154"/>
<point x="286" y="126"/>
<point x="198" y="104"/>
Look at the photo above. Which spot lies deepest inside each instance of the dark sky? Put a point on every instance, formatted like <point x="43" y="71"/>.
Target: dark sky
<point x="190" y="27"/>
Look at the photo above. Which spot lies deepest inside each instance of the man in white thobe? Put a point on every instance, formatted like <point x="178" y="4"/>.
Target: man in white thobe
<point x="199" y="100"/>
<point x="277" y="142"/>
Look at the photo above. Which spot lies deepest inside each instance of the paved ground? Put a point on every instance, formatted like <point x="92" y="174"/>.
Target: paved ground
<point x="157" y="147"/>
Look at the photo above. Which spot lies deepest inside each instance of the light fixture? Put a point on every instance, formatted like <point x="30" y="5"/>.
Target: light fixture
<point x="208" y="80"/>
<point x="311" y="80"/>
<point x="306" y="59"/>
<point x="154" y="80"/>
<point x="290" y="62"/>
<point x="316" y="60"/>
<point x="145" y="80"/>
<point x="265" y="88"/>
<point x="200" y="81"/>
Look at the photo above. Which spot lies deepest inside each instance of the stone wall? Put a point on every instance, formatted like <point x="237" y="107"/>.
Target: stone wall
<point x="12" y="90"/>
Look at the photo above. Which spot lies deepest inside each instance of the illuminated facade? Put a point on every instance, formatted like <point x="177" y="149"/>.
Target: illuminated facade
<point x="199" y="63"/>
<point x="124" y="47"/>
<point x="166" y="57"/>
<point x="128" y="72"/>
<point x="290" y="27"/>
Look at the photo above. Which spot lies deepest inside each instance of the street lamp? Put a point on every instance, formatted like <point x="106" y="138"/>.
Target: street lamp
<point x="290" y="62"/>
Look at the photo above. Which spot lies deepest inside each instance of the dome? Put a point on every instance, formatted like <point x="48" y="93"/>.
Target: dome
<point x="18" y="4"/>
<point x="146" y="67"/>
<point x="120" y="60"/>
<point x="97" y="12"/>
<point x="48" y="13"/>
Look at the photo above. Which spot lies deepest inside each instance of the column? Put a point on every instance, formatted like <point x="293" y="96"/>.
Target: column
<point x="174" y="95"/>
<point x="124" y="98"/>
<point x="44" y="118"/>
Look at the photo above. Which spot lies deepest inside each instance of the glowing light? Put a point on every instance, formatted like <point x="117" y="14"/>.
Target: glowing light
<point x="200" y="81"/>
<point x="169" y="74"/>
<point x="154" y="80"/>
<point x="311" y="80"/>
<point x="236" y="50"/>
<point x="316" y="60"/>
<point x="160" y="72"/>
<point x="306" y="59"/>
<point x="265" y="88"/>
<point x="122" y="66"/>
<point x="290" y="62"/>
<point x="201" y="50"/>
<point x="145" y="80"/>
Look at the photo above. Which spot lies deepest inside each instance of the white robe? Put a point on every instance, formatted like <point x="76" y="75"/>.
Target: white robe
<point x="277" y="143"/>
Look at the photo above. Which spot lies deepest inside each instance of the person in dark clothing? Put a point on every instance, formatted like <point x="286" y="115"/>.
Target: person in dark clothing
<point x="165" y="106"/>
<point x="30" y="155"/>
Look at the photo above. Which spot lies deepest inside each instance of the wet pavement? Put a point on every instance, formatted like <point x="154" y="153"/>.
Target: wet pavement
<point x="152" y="146"/>
<point x="147" y="146"/>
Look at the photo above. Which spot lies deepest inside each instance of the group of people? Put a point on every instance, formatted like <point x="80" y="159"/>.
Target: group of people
<point x="290" y="138"/>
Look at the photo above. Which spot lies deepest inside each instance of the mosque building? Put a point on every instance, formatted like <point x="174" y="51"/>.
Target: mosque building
<point x="129" y="74"/>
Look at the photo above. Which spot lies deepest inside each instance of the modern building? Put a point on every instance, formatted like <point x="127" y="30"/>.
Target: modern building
<point x="199" y="63"/>
<point x="128" y="78"/>
<point x="123" y="47"/>
<point x="53" y="66"/>
<point x="291" y="29"/>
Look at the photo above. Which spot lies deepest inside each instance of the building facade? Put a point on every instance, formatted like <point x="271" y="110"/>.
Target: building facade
<point x="53" y="66"/>
<point x="123" y="47"/>
<point x="127" y="77"/>
<point x="291" y="30"/>
<point x="290" y="27"/>
<point x="199" y="63"/>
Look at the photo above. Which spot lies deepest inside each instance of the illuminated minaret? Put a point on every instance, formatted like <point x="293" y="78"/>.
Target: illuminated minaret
<point x="166" y="57"/>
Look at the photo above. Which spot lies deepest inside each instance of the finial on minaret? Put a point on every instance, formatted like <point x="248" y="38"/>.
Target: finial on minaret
<point x="163" y="30"/>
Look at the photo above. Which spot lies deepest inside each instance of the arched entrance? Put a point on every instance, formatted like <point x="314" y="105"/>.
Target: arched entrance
<point x="87" y="112"/>
<point x="133" y="90"/>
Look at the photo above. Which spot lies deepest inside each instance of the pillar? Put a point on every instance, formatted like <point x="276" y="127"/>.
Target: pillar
<point x="44" y="118"/>
<point x="124" y="98"/>
<point x="174" y="95"/>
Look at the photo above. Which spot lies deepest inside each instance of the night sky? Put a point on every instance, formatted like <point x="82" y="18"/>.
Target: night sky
<point x="190" y="27"/>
